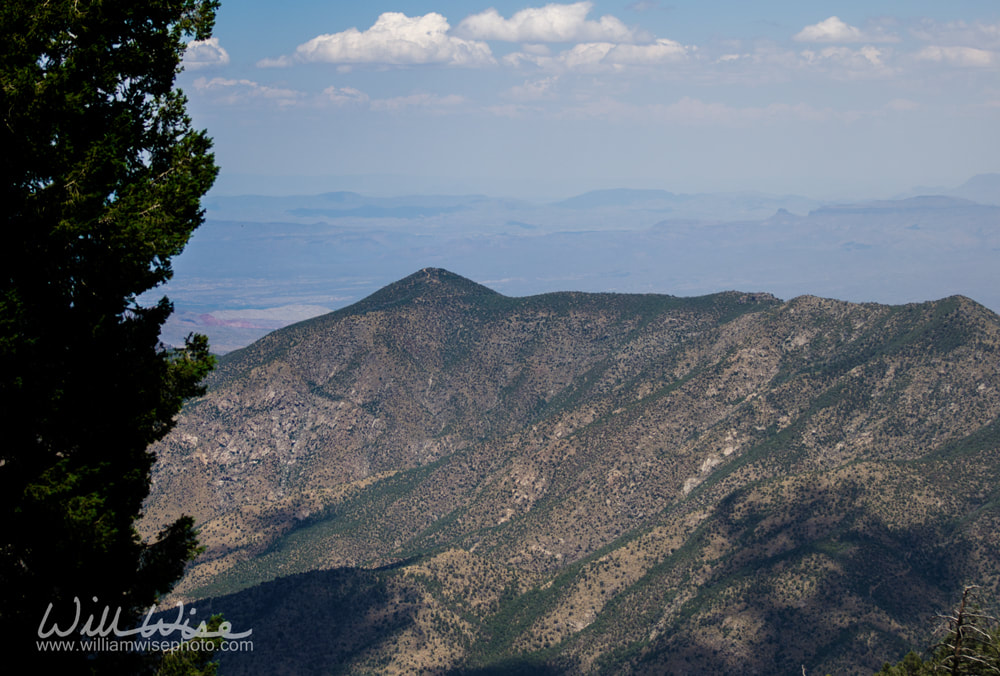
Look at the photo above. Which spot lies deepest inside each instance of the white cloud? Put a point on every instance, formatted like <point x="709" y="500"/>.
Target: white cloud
<point x="234" y="92"/>
<point x="585" y="55"/>
<point x="598" y="56"/>
<point x="242" y="91"/>
<point x="534" y="90"/>
<point x="279" y="62"/>
<point x="829" y="30"/>
<point x="866" y="59"/>
<point x="774" y="63"/>
<point x="205" y="53"/>
<point x="835" y="30"/>
<point x="551" y="23"/>
<point x="536" y="49"/>
<point x="661" y="51"/>
<point x="345" y="96"/>
<point x="959" y="43"/>
<point x="348" y="96"/>
<point x="988" y="33"/>
<point x="394" y="39"/>
<point x="976" y="34"/>
<point x="958" y="56"/>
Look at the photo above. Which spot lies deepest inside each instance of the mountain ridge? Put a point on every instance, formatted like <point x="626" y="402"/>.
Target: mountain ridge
<point x="594" y="483"/>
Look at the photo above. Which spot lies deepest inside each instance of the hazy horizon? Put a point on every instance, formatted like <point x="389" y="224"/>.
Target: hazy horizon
<point x="259" y="262"/>
<point x="537" y="190"/>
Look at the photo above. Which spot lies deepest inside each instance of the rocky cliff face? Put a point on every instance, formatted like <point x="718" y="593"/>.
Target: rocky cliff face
<point x="594" y="482"/>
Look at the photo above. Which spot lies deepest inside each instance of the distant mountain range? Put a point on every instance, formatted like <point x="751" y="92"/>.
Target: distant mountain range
<point x="265" y="258"/>
<point x="443" y="478"/>
<point x="982" y="188"/>
<point x="731" y="206"/>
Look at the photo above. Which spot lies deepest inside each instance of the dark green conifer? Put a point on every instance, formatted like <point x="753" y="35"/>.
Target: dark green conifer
<point x="102" y="177"/>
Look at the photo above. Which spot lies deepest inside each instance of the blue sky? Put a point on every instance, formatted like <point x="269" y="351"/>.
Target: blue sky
<point x="547" y="100"/>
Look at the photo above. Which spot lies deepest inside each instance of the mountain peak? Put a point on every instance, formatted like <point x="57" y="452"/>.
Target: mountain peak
<point x="428" y="284"/>
<point x="439" y="276"/>
<point x="782" y="216"/>
<point x="982" y="188"/>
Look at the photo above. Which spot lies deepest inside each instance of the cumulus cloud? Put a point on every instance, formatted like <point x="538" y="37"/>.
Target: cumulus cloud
<point x="867" y="58"/>
<point x="585" y="55"/>
<point x="829" y="30"/>
<point x="551" y="23"/>
<point x="835" y="30"/>
<point x="394" y="39"/>
<point x="233" y="91"/>
<point x="967" y="57"/>
<point x="606" y="56"/>
<point x="205" y="53"/>
<point x="536" y="49"/>
<point x="661" y="51"/>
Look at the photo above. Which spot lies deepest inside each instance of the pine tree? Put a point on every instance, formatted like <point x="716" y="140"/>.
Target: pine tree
<point x="971" y="644"/>
<point x="102" y="177"/>
<point x="197" y="661"/>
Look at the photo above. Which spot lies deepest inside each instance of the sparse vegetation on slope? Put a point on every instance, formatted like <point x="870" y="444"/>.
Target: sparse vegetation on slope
<point x="602" y="483"/>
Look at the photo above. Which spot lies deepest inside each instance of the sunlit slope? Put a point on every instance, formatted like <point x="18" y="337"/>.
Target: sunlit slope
<point x="728" y="483"/>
